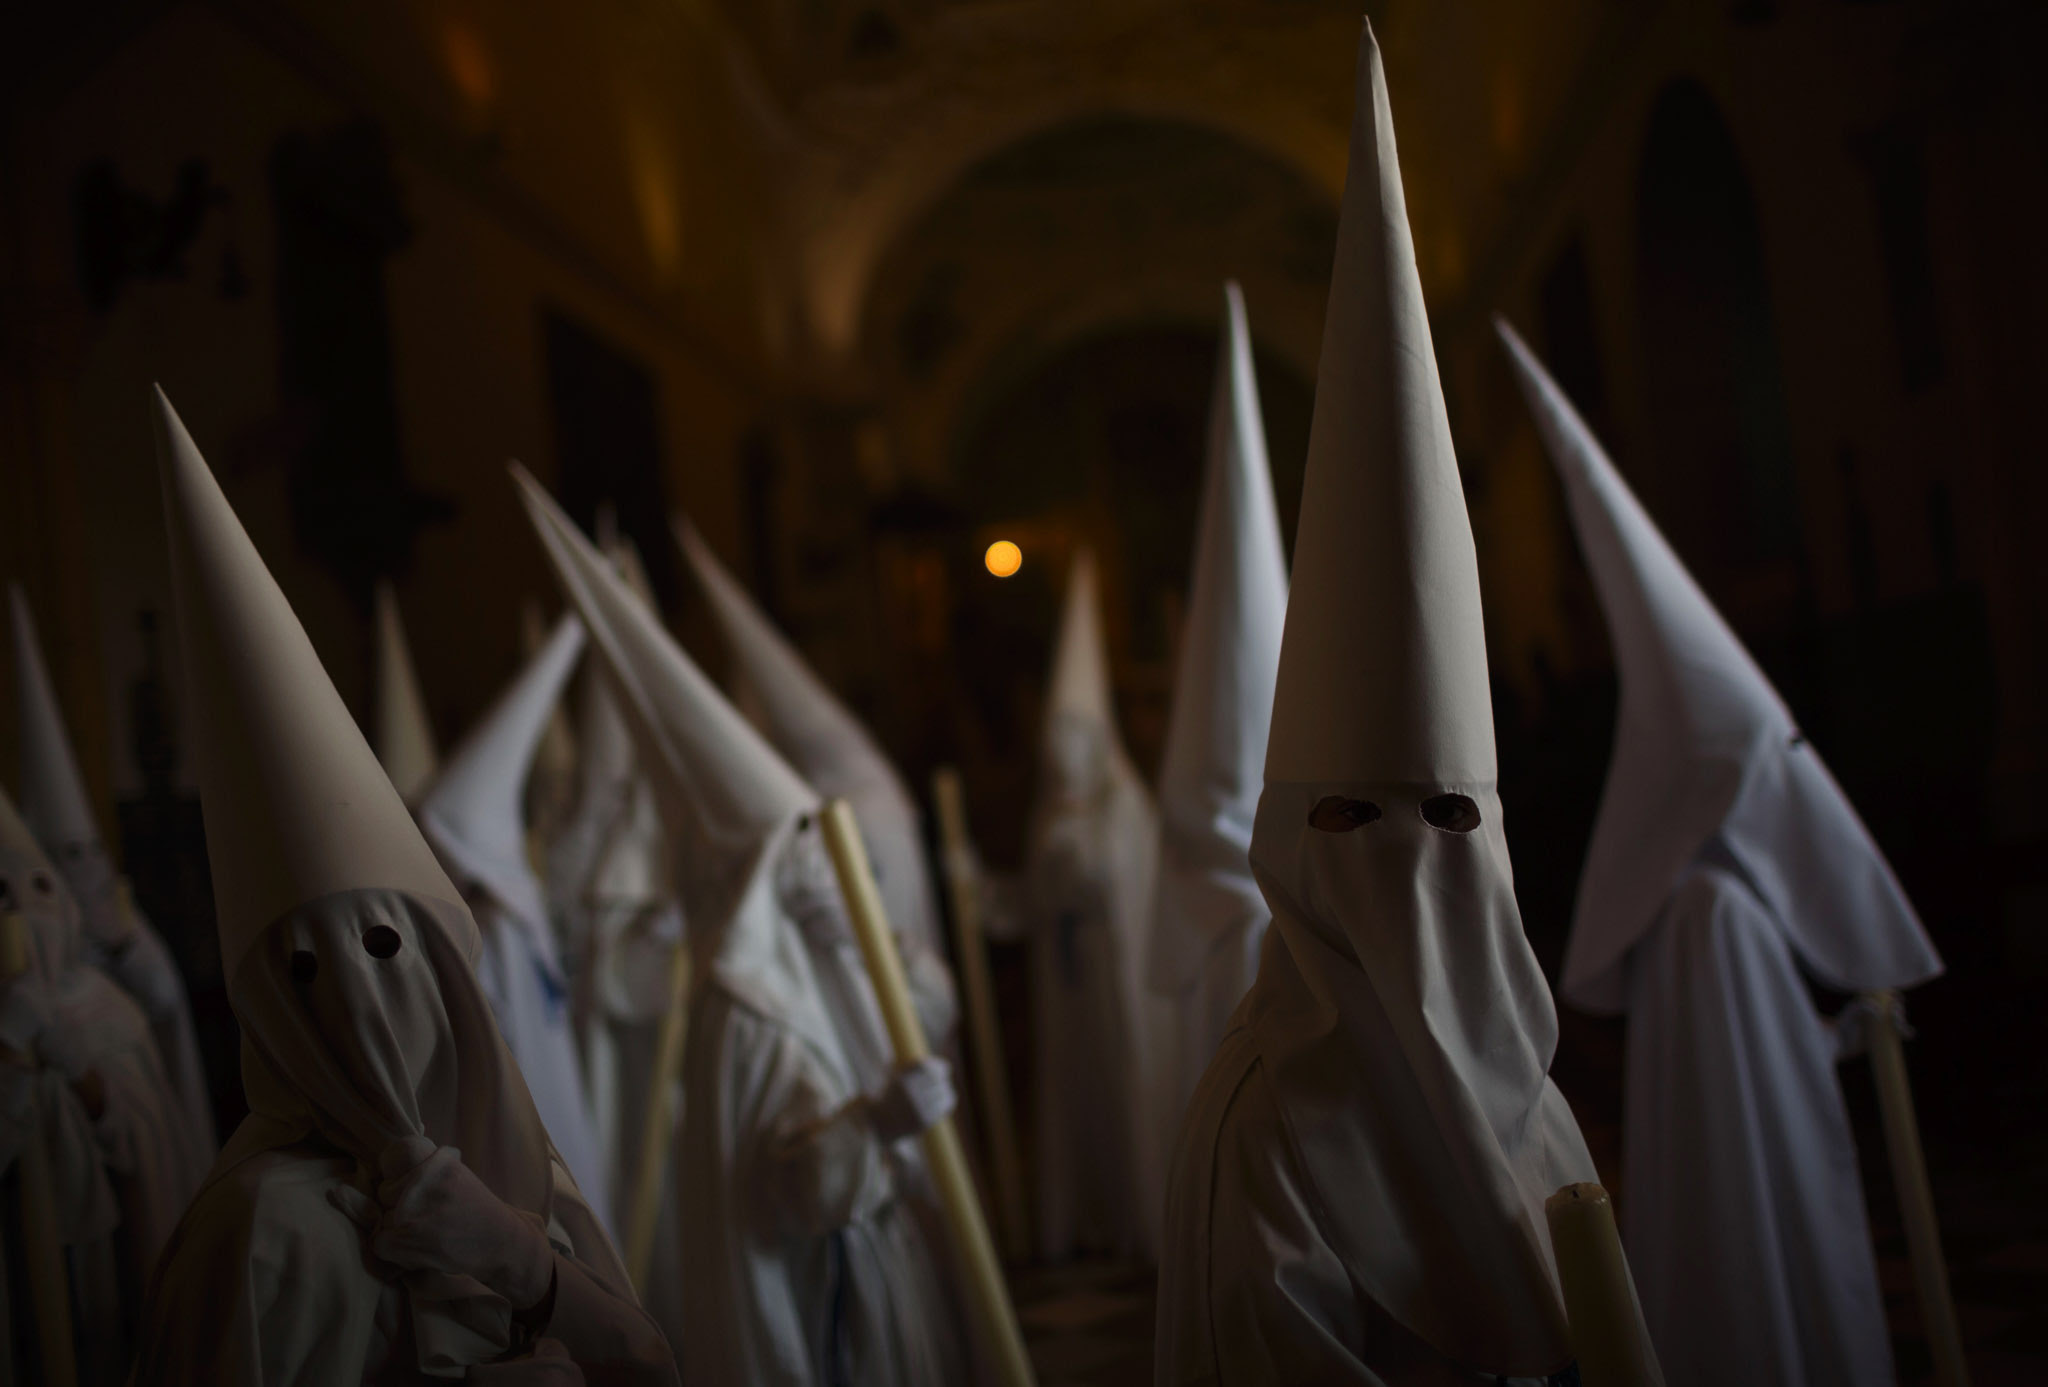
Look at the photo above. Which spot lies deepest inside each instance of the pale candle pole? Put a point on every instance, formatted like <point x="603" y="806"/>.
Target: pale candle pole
<point x="1916" y="1199"/>
<point x="42" y="1245"/>
<point x="645" y="1207"/>
<point x="1609" y="1338"/>
<point x="977" y="1251"/>
<point x="999" y="1122"/>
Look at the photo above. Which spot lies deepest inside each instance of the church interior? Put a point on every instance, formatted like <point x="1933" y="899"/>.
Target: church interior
<point x="903" y="319"/>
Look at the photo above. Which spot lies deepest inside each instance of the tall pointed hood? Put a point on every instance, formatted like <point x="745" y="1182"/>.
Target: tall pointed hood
<point x="39" y="894"/>
<point x="554" y="761"/>
<point x="1214" y="765"/>
<point x="405" y="734"/>
<point x="297" y="806"/>
<point x="1704" y="749"/>
<point x="54" y="803"/>
<point x="822" y="739"/>
<point x="1079" y="686"/>
<point x="473" y="813"/>
<point x="728" y="802"/>
<point x="1402" y="1022"/>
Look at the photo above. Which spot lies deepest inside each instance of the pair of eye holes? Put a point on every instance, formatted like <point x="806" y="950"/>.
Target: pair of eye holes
<point x="1336" y="814"/>
<point x="379" y="941"/>
<point x="39" y="882"/>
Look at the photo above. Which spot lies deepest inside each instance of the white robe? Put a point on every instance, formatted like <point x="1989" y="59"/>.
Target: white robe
<point x="802" y="1264"/>
<point x="146" y="971"/>
<point x="1743" y="1210"/>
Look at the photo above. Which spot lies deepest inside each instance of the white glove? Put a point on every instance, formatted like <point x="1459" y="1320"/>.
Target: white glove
<point x="434" y="1214"/>
<point x="29" y="1026"/>
<point x="916" y="1096"/>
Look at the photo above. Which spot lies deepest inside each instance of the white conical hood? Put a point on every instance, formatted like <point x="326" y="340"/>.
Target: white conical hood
<point x="1080" y="686"/>
<point x="1383" y="669"/>
<point x="54" y="803"/>
<point x="554" y="761"/>
<point x="1705" y="748"/>
<point x="405" y="734"/>
<point x="296" y="805"/>
<point x="474" y="811"/>
<point x="823" y="740"/>
<point x="1402" y="1023"/>
<point x="39" y="893"/>
<point x="1214" y="764"/>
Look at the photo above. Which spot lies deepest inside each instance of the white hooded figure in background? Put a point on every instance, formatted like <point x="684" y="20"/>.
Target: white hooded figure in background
<point x="802" y="1263"/>
<point x="551" y="786"/>
<point x="1101" y="1032"/>
<point x="824" y="742"/>
<point x="404" y="733"/>
<point x="1358" y="1192"/>
<point x="1724" y="861"/>
<point x="1207" y="914"/>
<point x="391" y="1210"/>
<point x="473" y="817"/>
<point x="120" y="939"/>
<point x="123" y="1155"/>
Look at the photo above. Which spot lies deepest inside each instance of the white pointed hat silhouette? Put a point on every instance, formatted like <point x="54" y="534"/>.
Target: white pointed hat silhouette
<point x="405" y="734"/>
<point x="1214" y="763"/>
<point x="1079" y="687"/>
<point x="822" y="739"/>
<point x="474" y="812"/>
<point x="297" y="806"/>
<point x="54" y="803"/>
<point x="1704" y="748"/>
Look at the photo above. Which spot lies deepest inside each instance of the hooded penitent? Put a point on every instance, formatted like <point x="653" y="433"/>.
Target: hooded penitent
<point x="1724" y="859"/>
<point x="551" y="788"/>
<point x="473" y="817"/>
<point x="405" y="734"/>
<point x="121" y="940"/>
<point x="1358" y="1191"/>
<point x="1100" y="1030"/>
<point x="349" y="958"/>
<point x="1207" y="915"/>
<point x="799" y="1264"/>
<point x="824" y="742"/>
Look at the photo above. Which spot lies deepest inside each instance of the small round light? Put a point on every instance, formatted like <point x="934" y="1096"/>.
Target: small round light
<point x="1003" y="558"/>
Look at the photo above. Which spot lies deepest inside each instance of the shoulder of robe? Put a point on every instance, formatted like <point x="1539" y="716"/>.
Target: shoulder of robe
<point x="267" y="1221"/>
<point x="1713" y="897"/>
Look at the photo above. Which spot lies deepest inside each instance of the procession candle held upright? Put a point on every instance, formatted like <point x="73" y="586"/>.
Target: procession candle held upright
<point x="1608" y="1335"/>
<point x="988" y="1291"/>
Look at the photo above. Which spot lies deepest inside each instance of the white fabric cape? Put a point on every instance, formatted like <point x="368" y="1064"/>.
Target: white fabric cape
<point x="473" y="815"/>
<point x="1101" y="1032"/>
<point x="1207" y="915"/>
<point x="1388" y="1078"/>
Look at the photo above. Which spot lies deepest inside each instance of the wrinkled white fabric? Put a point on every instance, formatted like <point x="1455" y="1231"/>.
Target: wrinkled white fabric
<point x="1207" y="914"/>
<point x="1399" y="1022"/>
<point x="1745" y="1221"/>
<point x="1101" y="1033"/>
<point x="1704" y="748"/>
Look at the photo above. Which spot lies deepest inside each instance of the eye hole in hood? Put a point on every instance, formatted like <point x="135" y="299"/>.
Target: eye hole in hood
<point x="1336" y="814"/>
<point x="1451" y="813"/>
<point x="382" y="941"/>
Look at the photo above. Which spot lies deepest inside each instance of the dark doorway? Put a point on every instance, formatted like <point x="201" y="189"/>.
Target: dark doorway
<point x="608" y="441"/>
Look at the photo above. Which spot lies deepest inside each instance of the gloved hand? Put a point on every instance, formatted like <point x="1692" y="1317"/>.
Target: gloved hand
<point x="549" y="1365"/>
<point x="916" y="1096"/>
<point x="432" y="1213"/>
<point x="31" y="1027"/>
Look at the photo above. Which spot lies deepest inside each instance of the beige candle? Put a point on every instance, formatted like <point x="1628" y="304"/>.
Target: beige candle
<point x="645" y="1207"/>
<point x="992" y="1085"/>
<point x="1916" y="1199"/>
<point x="977" y="1251"/>
<point x="1608" y="1336"/>
<point x="42" y="1246"/>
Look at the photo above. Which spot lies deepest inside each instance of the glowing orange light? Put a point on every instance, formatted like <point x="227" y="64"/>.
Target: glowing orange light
<point x="1003" y="558"/>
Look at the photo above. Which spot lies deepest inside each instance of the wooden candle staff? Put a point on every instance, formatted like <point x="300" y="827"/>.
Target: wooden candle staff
<point x="1608" y="1335"/>
<point x="1916" y="1199"/>
<point x="977" y="1251"/>
<point x="42" y="1245"/>
<point x="645" y="1208"/>
<point x="999" y="1122"/>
